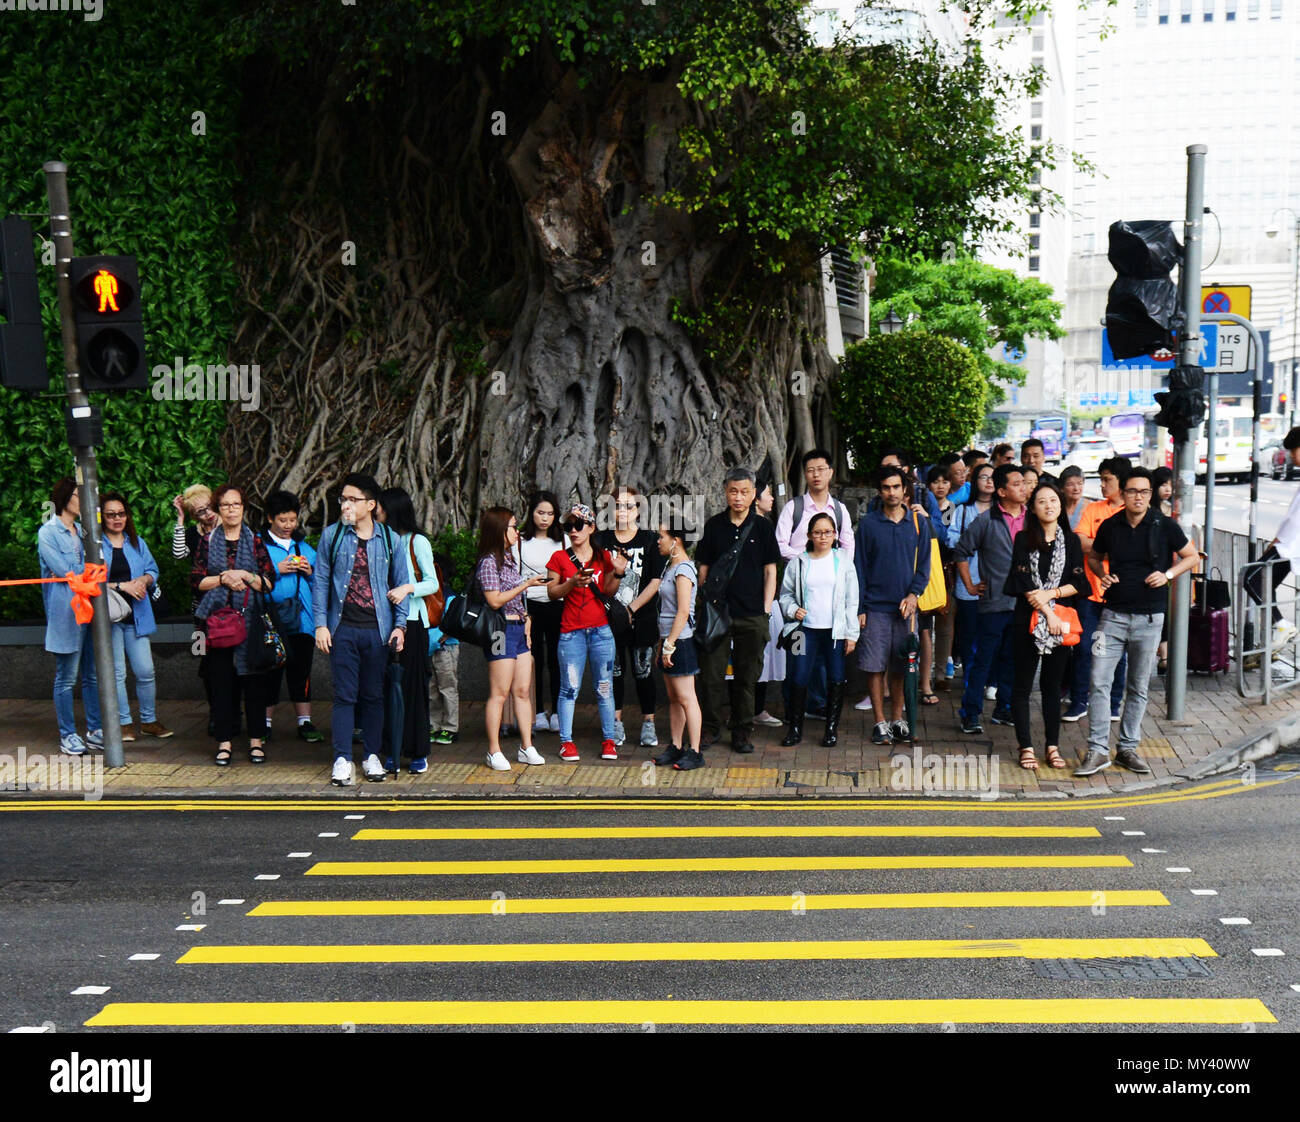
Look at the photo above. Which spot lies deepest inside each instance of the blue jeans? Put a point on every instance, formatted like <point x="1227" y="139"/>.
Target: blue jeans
<point x="820" y="651"/>
<point x="128" y="645"/>
<point x="1081" y="686"/>
<point x="65" y="677"/>
<point x="993" y="661"/>
<point x="596" y="643"/>
<point x="357" y="661"/>
<point x="1119" y="635"/>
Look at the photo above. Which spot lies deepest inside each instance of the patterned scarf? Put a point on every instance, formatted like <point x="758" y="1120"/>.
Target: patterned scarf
<point x="221" y="597"/>
<point x="1043" y="638"/>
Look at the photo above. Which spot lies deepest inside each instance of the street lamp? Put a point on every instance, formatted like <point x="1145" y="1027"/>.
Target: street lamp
<point x="891" y="322"/>
<point x="1272" y="231"/>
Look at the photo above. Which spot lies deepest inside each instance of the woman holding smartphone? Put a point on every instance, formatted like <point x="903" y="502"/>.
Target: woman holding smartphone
<point x="582" y="573"/>
<point x="510" y="659"/>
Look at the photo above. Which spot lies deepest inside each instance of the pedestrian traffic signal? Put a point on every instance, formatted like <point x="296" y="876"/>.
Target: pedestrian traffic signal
<point x="1143" y="300"/>
<point x="1182" y="406"/>
<point x="22" y="343"/>
<point x="110" y="336"/>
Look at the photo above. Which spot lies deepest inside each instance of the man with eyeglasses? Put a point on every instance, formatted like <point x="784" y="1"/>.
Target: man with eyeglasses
<point x="1139" y="545"/>
<point x="357" y="564"/>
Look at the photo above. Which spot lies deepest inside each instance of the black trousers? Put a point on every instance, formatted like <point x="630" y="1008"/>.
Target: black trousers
<point x="639" y="662"/>
<point x="1027" y="660"/>
<point x="545" y="615"/>
<point x="297" y="670"/>
<point x="227" y="688"/>
<point x="1280" y="570"/>
<point x="415" y="690"/>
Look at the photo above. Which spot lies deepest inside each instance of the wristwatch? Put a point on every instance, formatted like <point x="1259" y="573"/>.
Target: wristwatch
<point x="1169" y="575"/>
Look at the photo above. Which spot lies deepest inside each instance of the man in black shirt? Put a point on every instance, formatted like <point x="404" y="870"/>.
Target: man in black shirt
<point x="1139" y="543"/>
<point x="748" y="595"/>
<point x="1034" y="455"/>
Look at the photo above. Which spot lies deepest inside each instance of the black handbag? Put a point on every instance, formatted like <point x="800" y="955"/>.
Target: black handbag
<point x="469" y="619"/>
<point x="266" y="649"/>
<point x="620" y="618"/>
<point x="1210" y="594"/>
<point x="714" y="615"/>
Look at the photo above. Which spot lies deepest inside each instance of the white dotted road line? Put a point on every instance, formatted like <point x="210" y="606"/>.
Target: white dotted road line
<point x="1267" y="952"/>
<point x="1205" y="891"/>
<point x="267" y="876"/>
<point x="1153" y="851"/>
<point x="33" y="1028"/>
<point x="1134" y="833"/>
<point x="239" y="901"/>
<point x="1114" y="818"/>
<point x="353" y="817"/>
<point x="332" y="835"/>
<point x="300" y="854"/>
<point x="91" y="990"/>
<point x="1235" y="921"/>
<point x="191" y="927"/>
<point x="144" y="957"/>
<point x="1178" y="869"/>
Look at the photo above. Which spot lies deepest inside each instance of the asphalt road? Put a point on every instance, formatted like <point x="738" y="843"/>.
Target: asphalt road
<point x="88" y="891"/>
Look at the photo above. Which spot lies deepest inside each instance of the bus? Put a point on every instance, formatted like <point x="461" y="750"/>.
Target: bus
<point x="1233" y="441"/>
<point x="1127" y="432"/>
<point x="1052" y="432"/>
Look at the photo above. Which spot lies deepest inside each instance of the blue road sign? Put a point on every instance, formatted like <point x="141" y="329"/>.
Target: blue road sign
<point x="1209" y="351"/>
<point x="1217" y="302"/>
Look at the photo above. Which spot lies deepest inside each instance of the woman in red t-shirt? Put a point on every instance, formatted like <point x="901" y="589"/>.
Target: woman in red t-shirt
<point x="584" y="626"/>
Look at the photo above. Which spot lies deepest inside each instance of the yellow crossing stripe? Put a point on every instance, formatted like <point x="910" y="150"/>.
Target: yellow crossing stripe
<point x="843" y="804"/>
<point x="711" y="865"/>
<point x="579" y="905"/>
<point x="675" y="832"/>
<point x="982" y="1011"/>
<point x="708" y="952"/>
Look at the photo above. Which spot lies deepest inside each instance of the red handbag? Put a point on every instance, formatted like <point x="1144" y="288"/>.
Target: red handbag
<point x="226" y="627"/>
<point x="1070" y="618"/>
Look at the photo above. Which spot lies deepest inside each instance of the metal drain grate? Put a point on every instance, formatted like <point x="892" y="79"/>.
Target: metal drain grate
<point x="1119" y="969"/>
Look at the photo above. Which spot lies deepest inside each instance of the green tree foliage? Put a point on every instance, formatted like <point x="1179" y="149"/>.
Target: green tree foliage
<point x="909" y="390"/>
<point x="976" y="304"/>
<point x="148" y="178"/>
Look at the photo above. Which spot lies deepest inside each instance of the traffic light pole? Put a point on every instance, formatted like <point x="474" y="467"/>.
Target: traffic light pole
<point x="56" y="188"/>
<point x="1189" y="354"/>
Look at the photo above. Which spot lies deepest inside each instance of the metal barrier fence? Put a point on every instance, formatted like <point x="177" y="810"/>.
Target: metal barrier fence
<point x="1264" y="667"/>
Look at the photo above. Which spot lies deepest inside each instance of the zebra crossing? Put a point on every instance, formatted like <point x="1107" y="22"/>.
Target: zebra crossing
<point x="609" y="915"/>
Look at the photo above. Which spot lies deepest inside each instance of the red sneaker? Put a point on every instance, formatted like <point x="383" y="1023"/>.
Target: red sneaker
<point x="568" y="750"/>
<point x="608" y="751"/>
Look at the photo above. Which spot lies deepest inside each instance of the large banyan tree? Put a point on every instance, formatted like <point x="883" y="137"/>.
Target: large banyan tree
<point x="491" y="244"/>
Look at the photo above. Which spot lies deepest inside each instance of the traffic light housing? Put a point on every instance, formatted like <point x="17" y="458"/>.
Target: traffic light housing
<point x="110" y="335"/>
<point x="22" y="343"/>
<point x="1143" y="301"/>
<point x="1182" y="406"/>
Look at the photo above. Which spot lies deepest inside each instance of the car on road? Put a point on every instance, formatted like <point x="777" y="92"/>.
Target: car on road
<point x="1086" y="453"/>
<point x="1279" y="461"/>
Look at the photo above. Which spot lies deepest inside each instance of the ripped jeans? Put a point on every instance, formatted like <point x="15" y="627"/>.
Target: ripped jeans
<point x="596" y="643"/>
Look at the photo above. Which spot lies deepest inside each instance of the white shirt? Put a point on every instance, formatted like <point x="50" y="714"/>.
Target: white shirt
<point x="819" y="596"/>
<point x="533" y="555"/>
<point x="1288" y="534"/>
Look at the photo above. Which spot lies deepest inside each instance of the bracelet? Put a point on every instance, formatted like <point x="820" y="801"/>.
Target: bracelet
<point x="669" y="648"/>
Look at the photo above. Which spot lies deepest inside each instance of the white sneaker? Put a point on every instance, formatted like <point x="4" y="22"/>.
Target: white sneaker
<point x="1283" y="633"/>
<point x="372" y="769"/>
<point x="342" y="775"/>
<point x="766" y="718"/>
<point x="95" y="739"/>
<point x="555" y="722"/>
<point x="648" y="737"/>
<point x="541" y="724"/>
<point x="497" y="762"/>
<point x="990" y="693"/>
<point x="527" y="755"/>
<point x="864" y="704"/>
<point x="620" y="737"/>
<point x="72" y="745"/>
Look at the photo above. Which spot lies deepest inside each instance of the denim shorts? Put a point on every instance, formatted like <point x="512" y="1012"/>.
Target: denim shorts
<point x="686" y="660"/>
<point x="515" y="644"/>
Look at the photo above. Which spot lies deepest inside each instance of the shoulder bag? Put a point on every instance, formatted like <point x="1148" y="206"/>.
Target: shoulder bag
<point x="226" y="627"/>
<point x="713" y="617"/>
<point x="620" y="619"/>
<point x="469" y="619"/>
<point x="934" y="597"/>
<point x="266" y="649"/>
<point x="436" y="602"/>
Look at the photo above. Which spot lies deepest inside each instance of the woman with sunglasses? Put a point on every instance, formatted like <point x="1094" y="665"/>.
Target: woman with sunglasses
<point x="132" y="572"/>
<point x="584" y="571"/>
<point x="230" y="565"/>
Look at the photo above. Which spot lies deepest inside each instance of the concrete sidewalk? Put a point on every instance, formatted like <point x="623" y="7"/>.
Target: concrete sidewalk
<point x="984" y="765"/>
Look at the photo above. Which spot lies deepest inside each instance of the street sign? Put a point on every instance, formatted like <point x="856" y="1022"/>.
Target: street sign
<point x="1233" y="352"/>
<point x="1209" y="353"/>
<point x="1234" y="298"/>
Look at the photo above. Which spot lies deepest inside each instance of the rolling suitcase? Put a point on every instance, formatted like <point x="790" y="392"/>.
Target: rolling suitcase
<point x="1207" y="641"/>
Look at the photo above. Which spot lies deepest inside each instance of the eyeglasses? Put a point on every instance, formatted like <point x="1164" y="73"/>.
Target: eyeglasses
<point x="822" y="534"/>
<point x="1146" y="491"/>
<point x="231" y="506"/>
<point x="349" y="500"/>
<point x="114" y="514"/>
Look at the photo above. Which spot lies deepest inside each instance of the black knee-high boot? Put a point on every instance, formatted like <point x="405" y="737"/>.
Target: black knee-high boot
<point x="834" y="703"/>
<point x="798" y="702"/>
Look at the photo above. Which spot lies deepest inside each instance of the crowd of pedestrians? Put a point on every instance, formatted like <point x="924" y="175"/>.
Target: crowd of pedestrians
<point x="976" y="565"/>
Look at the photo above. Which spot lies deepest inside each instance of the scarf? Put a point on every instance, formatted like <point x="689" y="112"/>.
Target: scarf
<point x="1044" y="640"/>
<point x="220" y="597"/>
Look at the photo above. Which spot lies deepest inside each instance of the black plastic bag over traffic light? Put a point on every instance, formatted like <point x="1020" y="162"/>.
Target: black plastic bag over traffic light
<point x="110" y="336"/>
<point x="1182" y="406"/>
<point x="1143" y="300"/>
<point x="22" y="343"/>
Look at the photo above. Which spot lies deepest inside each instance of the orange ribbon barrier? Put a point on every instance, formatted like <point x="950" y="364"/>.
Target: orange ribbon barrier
<point x="84" y="585"/>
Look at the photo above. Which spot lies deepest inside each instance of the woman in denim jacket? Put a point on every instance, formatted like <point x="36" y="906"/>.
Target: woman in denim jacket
<point x="132" y="572"/>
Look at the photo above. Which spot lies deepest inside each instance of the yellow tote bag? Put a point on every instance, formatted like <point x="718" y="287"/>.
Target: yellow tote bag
<point x="935" y="596"/>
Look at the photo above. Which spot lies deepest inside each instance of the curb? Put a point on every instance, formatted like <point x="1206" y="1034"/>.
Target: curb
<point x="1271" y="740"/>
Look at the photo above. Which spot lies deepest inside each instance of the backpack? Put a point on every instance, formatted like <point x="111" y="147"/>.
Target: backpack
<point x="835" y="515"/>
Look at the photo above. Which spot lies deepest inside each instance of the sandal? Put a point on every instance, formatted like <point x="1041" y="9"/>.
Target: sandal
<point x="1054" y="757"/>
<point x="1028" y="760"/>
<point x="223" y="757"/>
<point x="929" y="699"/>
<point x="260" y="758"/>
